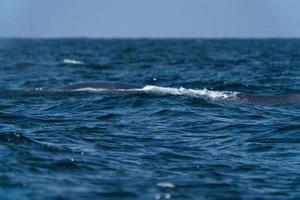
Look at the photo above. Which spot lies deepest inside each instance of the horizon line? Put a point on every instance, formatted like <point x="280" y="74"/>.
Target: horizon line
<point x="149" y="38"/>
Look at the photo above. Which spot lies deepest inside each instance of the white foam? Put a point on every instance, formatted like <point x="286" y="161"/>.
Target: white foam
<point x="71" y="61"/>
<point x="90" y="89"/>
<point x="166" y="185"/>
<point x="190" y="92"/>
<point x="198" y="93"/>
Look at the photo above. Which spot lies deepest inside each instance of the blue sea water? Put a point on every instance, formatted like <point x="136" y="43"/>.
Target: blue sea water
<point x="182" y="136"/>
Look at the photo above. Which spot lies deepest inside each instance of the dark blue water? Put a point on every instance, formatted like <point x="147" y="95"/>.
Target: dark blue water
<point x="183" y="136"/>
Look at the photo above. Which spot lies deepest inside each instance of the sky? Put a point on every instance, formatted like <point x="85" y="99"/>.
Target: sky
<point x="150" y="18"/>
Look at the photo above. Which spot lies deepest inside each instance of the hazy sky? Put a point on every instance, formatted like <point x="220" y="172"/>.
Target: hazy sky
<point x="150" y="18"/>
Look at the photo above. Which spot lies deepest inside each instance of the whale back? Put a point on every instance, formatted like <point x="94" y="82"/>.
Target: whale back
<point x="99" y="85"/>
<point x="241" y="97"/>
<point x="281" y="99"/>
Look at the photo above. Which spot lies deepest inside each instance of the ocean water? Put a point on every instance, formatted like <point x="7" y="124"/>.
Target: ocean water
<point x="184" y="135"/>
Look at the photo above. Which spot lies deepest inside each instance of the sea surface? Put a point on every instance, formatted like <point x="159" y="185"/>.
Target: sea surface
<point x="182" y="136"/>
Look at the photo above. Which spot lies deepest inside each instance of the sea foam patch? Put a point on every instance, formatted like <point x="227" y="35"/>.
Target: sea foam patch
<point x="190" y="92"/>
<point x="72" y="61"/>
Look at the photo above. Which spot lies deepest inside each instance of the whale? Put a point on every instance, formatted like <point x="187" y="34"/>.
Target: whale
<point x="264" y="99"/>
<point x="239" y="97"/>
<point x="105" y="85"/>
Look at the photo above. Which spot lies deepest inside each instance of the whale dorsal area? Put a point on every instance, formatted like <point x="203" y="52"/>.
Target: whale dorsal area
<point x="100" y="85"/>
<point x="281" y="99"/>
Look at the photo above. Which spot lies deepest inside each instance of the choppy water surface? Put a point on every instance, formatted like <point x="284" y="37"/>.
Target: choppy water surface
<point x="182" y="136"/>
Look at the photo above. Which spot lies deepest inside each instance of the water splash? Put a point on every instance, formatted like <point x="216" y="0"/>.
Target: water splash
<point x="190" y="92"/>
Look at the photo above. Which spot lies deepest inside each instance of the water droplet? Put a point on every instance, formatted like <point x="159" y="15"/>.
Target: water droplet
<point x="157" y="196"/>
<point x="168" y="196"/>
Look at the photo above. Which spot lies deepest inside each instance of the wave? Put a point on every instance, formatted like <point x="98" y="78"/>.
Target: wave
<point x="71" y="61"/>
<point x="173" y="91"/>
